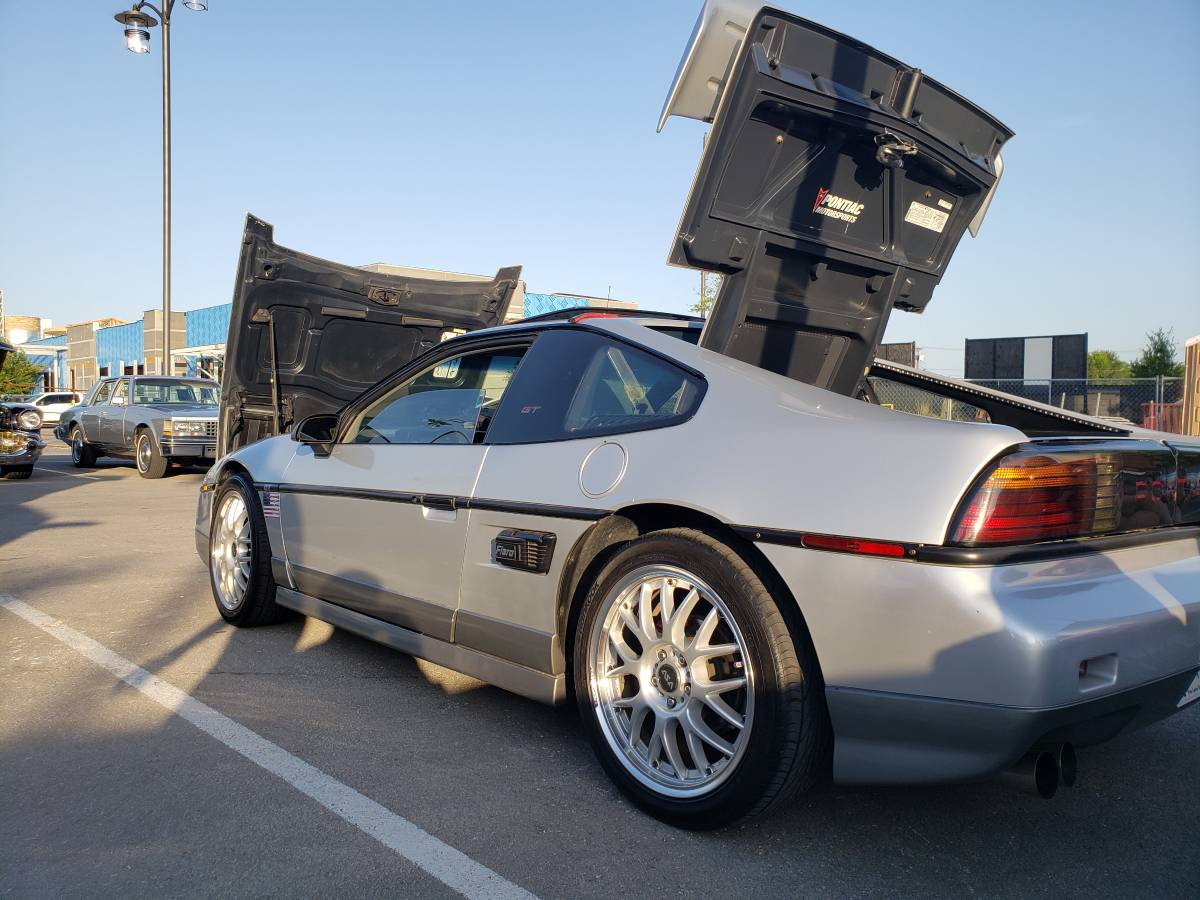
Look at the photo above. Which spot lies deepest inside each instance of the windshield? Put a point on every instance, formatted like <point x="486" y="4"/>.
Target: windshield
<point x="165" y="390"/>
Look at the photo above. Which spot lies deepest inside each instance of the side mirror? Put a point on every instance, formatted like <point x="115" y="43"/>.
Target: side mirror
<point x="317" y="432"/>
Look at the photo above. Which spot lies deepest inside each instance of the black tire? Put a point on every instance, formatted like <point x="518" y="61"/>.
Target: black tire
<point x="789" y="742"/>
<point x="150" y="461"/>
<point x="257" y="606"/>
<point x="15" y="473"/>
<point x="83" y="454"/>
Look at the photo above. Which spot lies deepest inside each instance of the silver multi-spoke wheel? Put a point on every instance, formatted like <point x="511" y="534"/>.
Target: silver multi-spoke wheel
<point x="671" y="681"/>
<point x="231" y="550"/>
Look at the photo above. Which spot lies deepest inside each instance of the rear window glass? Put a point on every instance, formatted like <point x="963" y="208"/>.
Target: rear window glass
<point x="920" y="402"/>
<point x="580" y="384"/>
<point x="683" y="332"/>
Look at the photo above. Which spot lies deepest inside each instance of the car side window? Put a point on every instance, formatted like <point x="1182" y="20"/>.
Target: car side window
<point x="451" y="402"/>
<point x="120" y="395"/>
<point x="102" y="393"/>
<point x="582" y="384"/>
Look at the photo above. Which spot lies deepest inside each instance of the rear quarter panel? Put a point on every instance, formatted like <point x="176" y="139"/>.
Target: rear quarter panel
<point x="763" y="450"/>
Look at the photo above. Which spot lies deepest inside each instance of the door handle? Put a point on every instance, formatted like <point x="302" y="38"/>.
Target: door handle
<point x="433" y="501"/>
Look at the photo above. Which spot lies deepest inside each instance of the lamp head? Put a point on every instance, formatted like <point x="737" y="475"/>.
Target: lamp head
<point x="137" y="29"/>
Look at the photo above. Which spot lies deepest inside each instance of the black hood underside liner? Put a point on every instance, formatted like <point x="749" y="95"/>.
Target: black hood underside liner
<point x="331" y="331"/>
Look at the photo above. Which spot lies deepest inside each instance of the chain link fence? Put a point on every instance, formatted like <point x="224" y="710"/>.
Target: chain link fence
<point x="1155" y="403"/>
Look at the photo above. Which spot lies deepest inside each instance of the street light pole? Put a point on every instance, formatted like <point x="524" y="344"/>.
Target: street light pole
<point x="137" y="39"/>
<point x="166" y="367"/>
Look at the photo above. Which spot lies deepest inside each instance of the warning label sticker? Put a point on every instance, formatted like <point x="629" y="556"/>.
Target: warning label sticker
<point x="1192" y="694"/>
<point x="926" y="216"/>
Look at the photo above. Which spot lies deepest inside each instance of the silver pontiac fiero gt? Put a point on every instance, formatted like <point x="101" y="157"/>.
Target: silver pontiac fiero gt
<point x="747" y="571"/>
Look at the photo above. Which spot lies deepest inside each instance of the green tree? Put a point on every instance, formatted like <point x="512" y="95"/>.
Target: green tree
<point x="1106" y="364"/>
<point x="710" y="285"/>
<point x="18" y="375"/>
<point x="1158" y="356"/>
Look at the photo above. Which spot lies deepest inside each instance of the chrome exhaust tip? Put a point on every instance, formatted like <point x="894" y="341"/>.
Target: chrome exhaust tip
<point x="1037" y="772"/>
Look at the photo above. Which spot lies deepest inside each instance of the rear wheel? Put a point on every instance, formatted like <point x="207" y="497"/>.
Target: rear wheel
<point x="83" y="455"/>
<point x="700" y="703"/>
<point x="239" y="557"/>
<point x="150" y="461"/>
<point x="15" y="473"/>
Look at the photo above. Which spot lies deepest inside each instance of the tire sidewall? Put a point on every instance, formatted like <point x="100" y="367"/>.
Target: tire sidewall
<point x="740" y="792"/>
<point x="77" y="446"/>
<point x="257" y="605"/>
<point x="142" y="437"/>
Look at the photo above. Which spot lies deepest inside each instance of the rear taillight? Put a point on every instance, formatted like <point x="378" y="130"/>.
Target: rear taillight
<point x="1055" y="493"/>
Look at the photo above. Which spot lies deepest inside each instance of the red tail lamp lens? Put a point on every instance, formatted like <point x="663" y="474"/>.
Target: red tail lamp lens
<point x="1030" y="496"/>
<point x="583" y="317"/>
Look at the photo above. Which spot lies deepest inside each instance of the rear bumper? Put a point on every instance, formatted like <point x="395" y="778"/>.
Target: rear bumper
<point x="899" y="739"/>
<point x="948" y="673"/>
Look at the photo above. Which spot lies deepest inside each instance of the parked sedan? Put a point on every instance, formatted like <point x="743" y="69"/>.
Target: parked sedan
<point x="746" y="573"/>
<point x="153" y="420"/>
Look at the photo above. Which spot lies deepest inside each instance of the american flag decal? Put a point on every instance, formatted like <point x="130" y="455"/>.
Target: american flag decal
<point x="270" y="505"/>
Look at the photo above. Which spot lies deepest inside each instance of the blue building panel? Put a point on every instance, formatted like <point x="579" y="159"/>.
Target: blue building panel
<point x="209" y="325"/>
<point x="56" y="341"/>
<point x="537" y="304"/>
<point x="55" y="358"/>
<point x="119" y="347"/>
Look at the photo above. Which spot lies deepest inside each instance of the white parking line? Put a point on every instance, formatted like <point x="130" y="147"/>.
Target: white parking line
<point x="451" y="867"/>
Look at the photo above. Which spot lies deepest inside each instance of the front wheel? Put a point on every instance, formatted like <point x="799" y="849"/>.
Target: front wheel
<point x="150" y="461"/>
<point x="83" y="455"/>
<point x="15" y="473"/>
<point x="701" y="704"/>
<point x="239" y="557"/>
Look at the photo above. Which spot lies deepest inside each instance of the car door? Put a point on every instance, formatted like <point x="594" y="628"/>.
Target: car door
<point x="89" y="417"/>
<point x="112" y="416"/>
<point x="579" y="414"/>
<point x="379" y="525"/>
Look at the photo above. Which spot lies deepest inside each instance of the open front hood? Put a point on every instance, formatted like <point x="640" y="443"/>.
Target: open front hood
<point x="330" y="331"/>
<point x="835" y="184"/>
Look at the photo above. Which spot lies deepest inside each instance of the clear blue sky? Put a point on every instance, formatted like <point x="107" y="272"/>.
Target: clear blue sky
<point x="474" y="135"/>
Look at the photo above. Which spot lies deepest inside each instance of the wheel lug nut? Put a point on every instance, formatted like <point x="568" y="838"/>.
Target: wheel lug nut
<point x="671" y="702"/>
<point x="662" y="654"/>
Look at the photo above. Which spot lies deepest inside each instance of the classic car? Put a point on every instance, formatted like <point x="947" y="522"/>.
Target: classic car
<point x="20" y="444"/>
<point x="154" y="420"/>
<point x="747" y="574"/>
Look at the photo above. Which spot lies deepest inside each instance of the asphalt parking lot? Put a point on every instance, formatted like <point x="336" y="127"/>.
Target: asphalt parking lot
<point x="106" y="792"/>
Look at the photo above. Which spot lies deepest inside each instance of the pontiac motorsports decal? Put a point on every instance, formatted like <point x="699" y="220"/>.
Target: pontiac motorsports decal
<point x="836" y="207"/>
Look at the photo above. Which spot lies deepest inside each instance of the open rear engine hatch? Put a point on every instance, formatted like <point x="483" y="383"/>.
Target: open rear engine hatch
<point x="835" y="184"/>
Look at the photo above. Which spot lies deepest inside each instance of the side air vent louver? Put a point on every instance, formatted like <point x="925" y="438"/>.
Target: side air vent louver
<point x="527" y="550"/>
